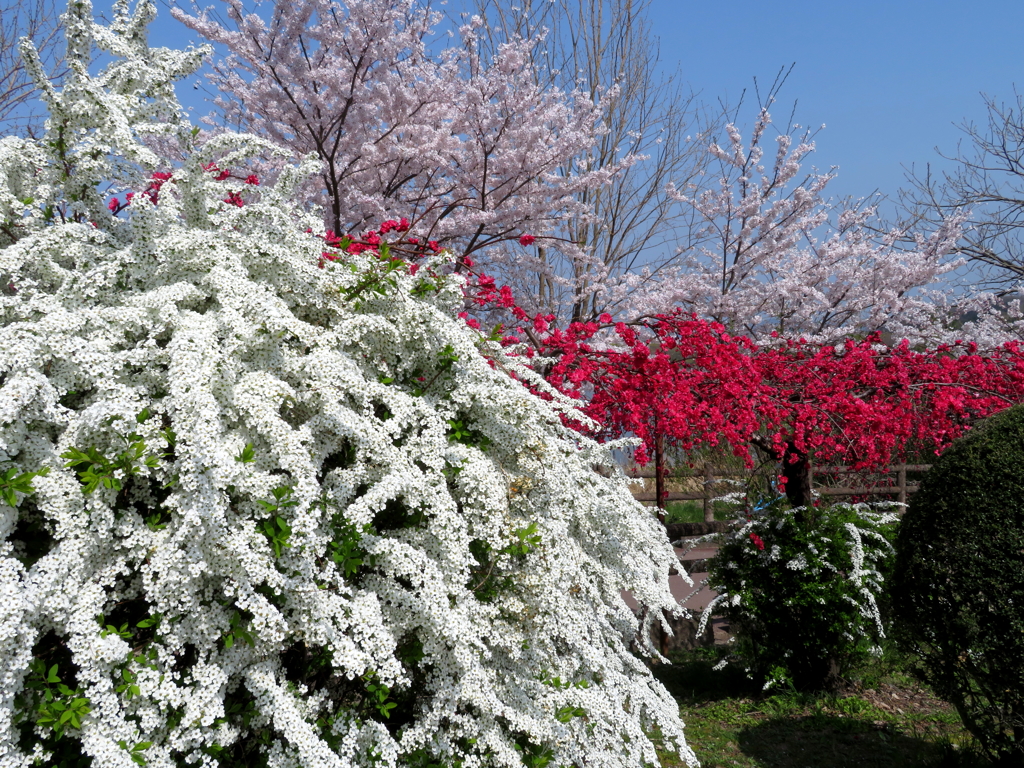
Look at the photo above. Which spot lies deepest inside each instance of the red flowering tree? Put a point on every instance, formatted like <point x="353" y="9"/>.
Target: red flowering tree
<point x="686" y="381"/>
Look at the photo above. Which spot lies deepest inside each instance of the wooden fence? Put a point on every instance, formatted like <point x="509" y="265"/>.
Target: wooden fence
<point x="887" y="485"/>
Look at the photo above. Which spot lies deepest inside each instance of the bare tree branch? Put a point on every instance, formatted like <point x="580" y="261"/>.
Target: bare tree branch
<point x="38" y="20"/>
<point x="989" y="182"/>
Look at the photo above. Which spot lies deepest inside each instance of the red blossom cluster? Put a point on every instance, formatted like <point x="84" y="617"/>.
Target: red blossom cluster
<point x="485" y="291"/>
<point x="860" y="403"/>
<point x="372" y="240"/>
<point x="152" y="192"/>
<point x="158" y="178"/>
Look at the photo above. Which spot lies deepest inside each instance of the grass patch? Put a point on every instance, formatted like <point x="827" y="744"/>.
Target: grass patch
<point x="693" y="511"/>
<point x="884" y="719"/>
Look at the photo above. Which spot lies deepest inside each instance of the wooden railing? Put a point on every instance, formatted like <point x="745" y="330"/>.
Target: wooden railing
<point x="901" y="489"/>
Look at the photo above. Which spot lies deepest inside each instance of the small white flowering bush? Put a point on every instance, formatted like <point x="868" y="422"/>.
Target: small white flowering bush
<point x="259" y="508"/>
<point x="802" y="588"/>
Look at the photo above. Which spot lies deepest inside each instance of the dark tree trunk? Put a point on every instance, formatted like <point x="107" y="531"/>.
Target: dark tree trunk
<point x="659" y="474"/>
<point x="819" y="675"/>
<point x="796" y="468"/>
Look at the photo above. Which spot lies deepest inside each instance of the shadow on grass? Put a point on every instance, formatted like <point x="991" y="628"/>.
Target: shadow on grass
<point x="692" y="679"/>
<point x="732" y="722"/>
<point x="818" y="740"/>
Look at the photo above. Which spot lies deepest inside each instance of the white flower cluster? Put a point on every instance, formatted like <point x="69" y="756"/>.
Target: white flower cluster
<point x="291" y="515"/>
<point x="864" y="548"/>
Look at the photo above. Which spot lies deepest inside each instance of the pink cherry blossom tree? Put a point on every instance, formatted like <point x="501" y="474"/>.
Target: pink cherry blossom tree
<point x="466" y="146"/>
<point x="656" y="131"/>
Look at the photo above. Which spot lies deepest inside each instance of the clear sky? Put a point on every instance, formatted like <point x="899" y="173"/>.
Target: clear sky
<point x="890" y="80"/>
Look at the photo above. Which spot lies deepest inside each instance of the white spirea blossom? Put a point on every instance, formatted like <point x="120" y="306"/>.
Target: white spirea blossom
<point x="293" y="516"/>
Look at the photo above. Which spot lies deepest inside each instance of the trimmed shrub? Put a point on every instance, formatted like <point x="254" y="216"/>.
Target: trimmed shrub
<point x="958" y="588"/>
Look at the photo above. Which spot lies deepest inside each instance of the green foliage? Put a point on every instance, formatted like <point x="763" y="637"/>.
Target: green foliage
<point x="94" y="469"/>
<point x="276" y="528"/>
<point x="419" y="380"/>
<point x="12" y="483"/>
<point x="802" y="595"/>
<point x="59" y="706"/>
<point x="559" y="684"/>
<point x="533" y="755"/>
<point x="376" y="281"/>
<point x="958" y="589"/>
<point x="109" y="629"/>
<point x="136" y="751"/>
<point x="527" y="539"/>
<point x="446" y="358"/>
<point x="378" y="695"/>
<point x="346" y="547"/>
<point x="491" y="578"/>
<point x="238" y="629"/>
<point x="693" y="511"/>
<point x="459" y="431"/>
<point x="128" y="687"/>
<point x="247" y="455"/>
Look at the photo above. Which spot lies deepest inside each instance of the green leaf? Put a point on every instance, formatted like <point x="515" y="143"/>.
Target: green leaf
<point x="248" y="454"/>
<point x="12" y="482"/>
<point x="154" y="524"/>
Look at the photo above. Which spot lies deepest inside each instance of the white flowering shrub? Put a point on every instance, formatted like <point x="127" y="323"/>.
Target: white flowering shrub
<point x="804" y="590"/>
<point x="259" y="508"/>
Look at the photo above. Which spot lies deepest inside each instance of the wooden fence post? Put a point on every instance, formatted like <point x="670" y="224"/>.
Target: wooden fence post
<point x="901" y="483"/>
<point x="709" y="479"/>
<point x="659" y="474"/>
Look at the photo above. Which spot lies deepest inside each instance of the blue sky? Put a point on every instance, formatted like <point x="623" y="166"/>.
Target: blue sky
<point x="890" y="80"/>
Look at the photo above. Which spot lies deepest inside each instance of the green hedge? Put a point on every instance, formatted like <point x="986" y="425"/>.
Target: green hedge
<point x="958" y="588"/>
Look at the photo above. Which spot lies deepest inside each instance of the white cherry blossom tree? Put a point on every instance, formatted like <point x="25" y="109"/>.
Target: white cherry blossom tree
<point x="772" y="255"/>
<point x="258" y="507"/>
